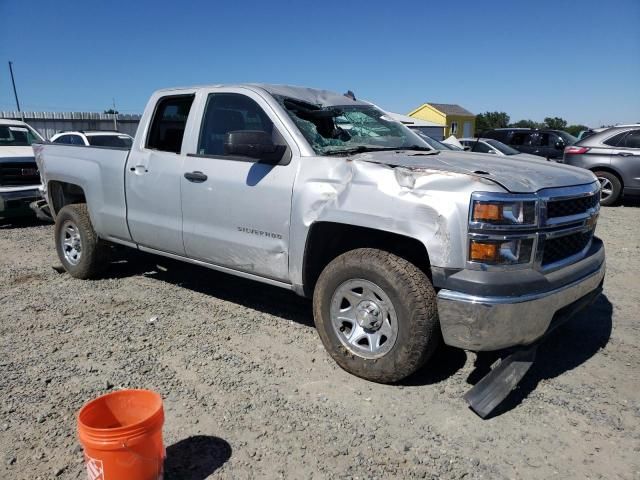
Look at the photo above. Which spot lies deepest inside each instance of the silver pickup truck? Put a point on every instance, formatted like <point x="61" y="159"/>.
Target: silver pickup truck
<point x="400" y="246"/>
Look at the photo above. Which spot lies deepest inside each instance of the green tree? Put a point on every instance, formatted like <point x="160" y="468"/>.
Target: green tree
<point x="490" y="120"/>
<point x="555" y="123"/>
<point x="111" y="111"/>
<point x="575" y="129"/>
<point x="527" y="124"/>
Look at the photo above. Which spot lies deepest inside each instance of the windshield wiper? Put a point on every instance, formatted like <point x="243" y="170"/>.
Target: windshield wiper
<point x="363" y="149"/>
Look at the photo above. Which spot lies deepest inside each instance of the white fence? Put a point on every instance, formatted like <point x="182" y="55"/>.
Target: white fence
<point x="50" y="123"/>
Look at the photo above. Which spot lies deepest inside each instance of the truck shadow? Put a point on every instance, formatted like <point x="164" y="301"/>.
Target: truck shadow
<point x="264" y="298"/>
<point x="248" y="293"/>
<point x="21" y="222"/>
<point x="571" y="345"/>
<point x="195" y="458"/>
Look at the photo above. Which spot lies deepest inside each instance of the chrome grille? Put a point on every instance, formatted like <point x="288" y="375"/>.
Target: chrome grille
<point x="572" y="206"/>
<point x="16" y="174"/>
<point x="559" y="248"/>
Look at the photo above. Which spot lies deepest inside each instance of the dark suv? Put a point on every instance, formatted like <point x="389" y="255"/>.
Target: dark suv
<point x="614" y="156"/>
<point x="545" y="143"/>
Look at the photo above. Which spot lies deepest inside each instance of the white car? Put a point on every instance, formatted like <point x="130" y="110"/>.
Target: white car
<point x="495" y="147"/>
<point x="19" y="177"/>
<point x="95" y="138"/>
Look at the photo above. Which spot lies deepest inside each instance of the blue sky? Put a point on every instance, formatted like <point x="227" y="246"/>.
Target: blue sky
<point x="579" y="60"/>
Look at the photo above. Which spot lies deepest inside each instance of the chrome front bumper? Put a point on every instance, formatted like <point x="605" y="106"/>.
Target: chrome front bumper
<point x="492" y="323"/>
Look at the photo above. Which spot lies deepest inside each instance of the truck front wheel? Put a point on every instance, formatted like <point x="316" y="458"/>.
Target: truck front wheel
<point x="376" y="314"/>
<point x="79" y="249"/>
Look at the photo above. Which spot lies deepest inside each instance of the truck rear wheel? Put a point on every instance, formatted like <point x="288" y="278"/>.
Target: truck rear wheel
<point x="79" y="249"/>
<point x="376" y="314"/>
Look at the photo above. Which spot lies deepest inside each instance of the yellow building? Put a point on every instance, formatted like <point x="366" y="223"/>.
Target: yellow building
<point x="459" y="121"/>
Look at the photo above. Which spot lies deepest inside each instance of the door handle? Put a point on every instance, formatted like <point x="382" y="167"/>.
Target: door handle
<point x="625" y="154"/>
<point x="195" y="177"/>
<point x="139" y="169"/>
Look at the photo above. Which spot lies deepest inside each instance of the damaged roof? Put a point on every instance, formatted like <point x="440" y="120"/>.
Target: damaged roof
<point x="321" y="98"/>
<point x="324" y="98"/>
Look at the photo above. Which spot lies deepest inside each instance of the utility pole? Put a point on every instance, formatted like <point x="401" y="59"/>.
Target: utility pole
<point x="115" y="115"/>
<point x="15" y="93"/>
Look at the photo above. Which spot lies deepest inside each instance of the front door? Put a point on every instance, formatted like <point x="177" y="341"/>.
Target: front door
<point x="153" y="177"/>
<point x="236" y="209"/>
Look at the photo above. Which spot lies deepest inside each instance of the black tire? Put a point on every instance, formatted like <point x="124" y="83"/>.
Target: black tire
<point x="412" y="297"/>
<point x="93" y="252"/>
<point x="616" y="187"/>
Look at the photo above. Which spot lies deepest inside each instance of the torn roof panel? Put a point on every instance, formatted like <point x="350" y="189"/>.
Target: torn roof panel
<point x="323" y="98"/>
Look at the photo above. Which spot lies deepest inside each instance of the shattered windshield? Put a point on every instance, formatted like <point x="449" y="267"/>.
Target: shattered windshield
<point x="345" y="129"/>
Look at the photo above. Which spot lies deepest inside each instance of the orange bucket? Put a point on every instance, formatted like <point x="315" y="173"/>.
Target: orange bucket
<point x="121" y="433"/>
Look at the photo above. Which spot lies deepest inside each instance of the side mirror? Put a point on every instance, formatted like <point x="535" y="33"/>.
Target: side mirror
<point x="466" y="149"/>
<point x="254" y="144"/>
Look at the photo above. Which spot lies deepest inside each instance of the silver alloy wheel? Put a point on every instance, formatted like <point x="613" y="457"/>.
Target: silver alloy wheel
<point x="364" y="318"/>
<point x="71" y="242"/>
<point x="606" y="188"/>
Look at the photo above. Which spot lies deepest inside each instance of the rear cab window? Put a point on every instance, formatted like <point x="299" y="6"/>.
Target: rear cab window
<point x="169" y="122"/>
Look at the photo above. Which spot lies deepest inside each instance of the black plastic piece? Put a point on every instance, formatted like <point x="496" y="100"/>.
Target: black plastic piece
<point x="494" y="387"/>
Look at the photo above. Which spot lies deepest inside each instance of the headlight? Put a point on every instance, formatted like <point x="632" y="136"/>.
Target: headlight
<point x="493" y="212"/>
<point x="501" y="252"/>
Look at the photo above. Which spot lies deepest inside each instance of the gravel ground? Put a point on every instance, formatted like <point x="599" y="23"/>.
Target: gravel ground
<point x="250" y="393"/>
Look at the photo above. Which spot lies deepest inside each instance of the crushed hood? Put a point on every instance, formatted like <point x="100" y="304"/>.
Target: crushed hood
<point x="517" y="175"/>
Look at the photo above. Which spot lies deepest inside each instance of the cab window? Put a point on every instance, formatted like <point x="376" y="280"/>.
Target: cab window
<point x="231" y="112"/>
<point x="169" y="122"/>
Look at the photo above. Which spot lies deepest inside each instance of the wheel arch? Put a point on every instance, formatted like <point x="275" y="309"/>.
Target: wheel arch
<point x="64" y="193"/>
<point x="609" y="169"/>
<point x="327" y="240"/>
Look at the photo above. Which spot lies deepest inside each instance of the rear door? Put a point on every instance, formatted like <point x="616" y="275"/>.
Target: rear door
<point x="523" y="141"/>
<point x="548" y="145"/>
<point x="153" y="174"/>
<point x="236" y="212"/>
<point x="625" y="157"/>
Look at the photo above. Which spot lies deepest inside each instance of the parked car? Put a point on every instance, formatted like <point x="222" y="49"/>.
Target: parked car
<point x="493" y="147"/>
<point x="544" y="143"/>
<point x="19" y="176"/>
<point x="95" y="138"/>
<point x="398" y="244"/>
<point x="433" y="143"/>
<point x="614" y="156"/>
<point x="592" y="131"/>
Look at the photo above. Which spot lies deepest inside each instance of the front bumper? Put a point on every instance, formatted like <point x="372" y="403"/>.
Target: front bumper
<point x="480" y="323"/>
<point x="15" y="202"/>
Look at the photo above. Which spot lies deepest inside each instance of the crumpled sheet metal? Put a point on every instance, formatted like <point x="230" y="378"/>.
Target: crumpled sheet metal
<point x="428" y="204"/>
<point x="322" y="98"/>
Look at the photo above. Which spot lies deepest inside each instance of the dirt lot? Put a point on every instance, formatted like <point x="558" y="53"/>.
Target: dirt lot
<point x="250" y="393"/>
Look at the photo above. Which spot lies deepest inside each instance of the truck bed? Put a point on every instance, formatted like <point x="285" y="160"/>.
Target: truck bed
<point x="100" y="167"/>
